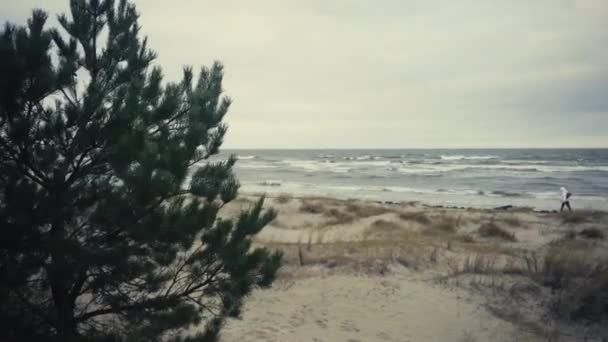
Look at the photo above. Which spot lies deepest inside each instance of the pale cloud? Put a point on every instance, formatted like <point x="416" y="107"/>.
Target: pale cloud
<point x="362" y="73"/>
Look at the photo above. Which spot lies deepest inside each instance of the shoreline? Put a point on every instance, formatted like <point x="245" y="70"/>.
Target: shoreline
<point x="503" y="207"/>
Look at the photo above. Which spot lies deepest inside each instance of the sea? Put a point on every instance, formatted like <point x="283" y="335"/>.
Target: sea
<point x="481" y="178"/>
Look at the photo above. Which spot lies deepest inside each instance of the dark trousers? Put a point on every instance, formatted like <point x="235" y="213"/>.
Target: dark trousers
<point x="566" y="204"/>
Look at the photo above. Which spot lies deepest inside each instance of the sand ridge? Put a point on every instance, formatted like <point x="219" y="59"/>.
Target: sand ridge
<point x="366" y="271"/>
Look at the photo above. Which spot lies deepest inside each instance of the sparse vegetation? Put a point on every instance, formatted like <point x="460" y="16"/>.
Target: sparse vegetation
<point x="283" y="198"/>
<point x="564" y="272"/>
<point x="366" y="210"/>
<point x="445" y="225"/>
<point x="384" y="226"/>
<point x="573" y="218"/>
<point x="588" y="300"/>
<point x="338" y="217"/>
<point x="465" y="238"/>
<point x="312" y="207"/>
<point x="512" y="221"/>
<point x="492" y="230"/>
<point x="416" y="216"/>
<point x="592" y="233"/>
<point x="478" y="264"/>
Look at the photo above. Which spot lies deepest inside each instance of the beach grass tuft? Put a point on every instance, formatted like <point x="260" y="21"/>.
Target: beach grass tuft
<point x="492" y="230"/>
<point x="416" y="216"/>
<point x="573" y="218"/>
<point x="592" y="233"/>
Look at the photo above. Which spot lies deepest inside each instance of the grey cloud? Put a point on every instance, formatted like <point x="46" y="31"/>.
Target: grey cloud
<point x="364" y="73"/>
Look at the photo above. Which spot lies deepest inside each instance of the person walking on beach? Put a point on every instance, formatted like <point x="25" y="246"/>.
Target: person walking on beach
<point x="565" y="199"/>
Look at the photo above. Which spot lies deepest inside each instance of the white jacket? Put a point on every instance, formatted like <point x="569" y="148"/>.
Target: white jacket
<point x="564" y="194"/>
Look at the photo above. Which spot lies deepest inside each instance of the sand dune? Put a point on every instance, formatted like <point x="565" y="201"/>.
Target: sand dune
<point x="363" y="308"/>
<point x="365" y="271"/>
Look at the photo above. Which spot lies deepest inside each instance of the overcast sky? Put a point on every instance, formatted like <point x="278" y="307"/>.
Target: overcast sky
<point x="391" y="73"/>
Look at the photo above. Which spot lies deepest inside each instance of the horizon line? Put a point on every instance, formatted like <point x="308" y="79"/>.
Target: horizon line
<point x="415" y="148"/>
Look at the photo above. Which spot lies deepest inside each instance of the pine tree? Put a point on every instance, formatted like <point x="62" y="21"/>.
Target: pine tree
<point x="109" y="197"/>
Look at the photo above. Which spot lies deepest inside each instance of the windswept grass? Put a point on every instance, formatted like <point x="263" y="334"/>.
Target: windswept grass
<point x="573" y="218"/>
<point x="366" y="210"/>
<point x="312" y="207"/>
<point x="385" y="225"/>
<point x="283" y="198"/>
<point x="512" y="221"/>
<point x="592" y="233"/>
<point x="338" y="217"/>
<point x="492" y="230"/>
<point x="416" y="216"/>
<point x="465" y="238"/>
<point x="384" y="230"/>
<point x="444" y="225"/>
<point x="589" y="300"/>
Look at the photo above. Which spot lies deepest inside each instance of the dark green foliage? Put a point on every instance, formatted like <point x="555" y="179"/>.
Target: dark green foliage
<point x="108" y="195"/>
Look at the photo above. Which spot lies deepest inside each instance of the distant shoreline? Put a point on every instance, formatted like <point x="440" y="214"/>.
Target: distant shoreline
<point x="502" y="208"/>
<point x="409" y="148"/>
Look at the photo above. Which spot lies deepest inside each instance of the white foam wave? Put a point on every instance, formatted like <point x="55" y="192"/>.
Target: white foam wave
<point x="424" y="167"/>
<point x="255" y="166"/>
<point x="245" y="157"/>
<point x="463" y="157"/>
<point x="316" y="166"/>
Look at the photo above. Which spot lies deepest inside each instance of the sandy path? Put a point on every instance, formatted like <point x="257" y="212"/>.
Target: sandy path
<point x="361" y="308"/>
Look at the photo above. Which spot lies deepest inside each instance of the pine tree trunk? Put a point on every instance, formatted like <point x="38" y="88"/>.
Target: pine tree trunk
<point x="59" y="280"/>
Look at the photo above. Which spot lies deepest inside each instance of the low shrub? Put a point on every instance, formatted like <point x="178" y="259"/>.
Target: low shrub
<point x="573" y="218"/>
<point x="592" y="233"/>
<point x="416" y="216"/>
<point x="283" y="198"/>
<point x="492" y="230"/>
<point x="312" y="207"/>
<point x="367" y="210"/>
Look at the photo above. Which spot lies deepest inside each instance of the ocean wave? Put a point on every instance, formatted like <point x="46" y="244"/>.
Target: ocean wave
<point x="362" y="157"/>
<point x="437" y="168"/>
<point x="255" y="166"/>
<point x="245" y="157"/>
<point x="463" y="157"/>
<point x="368" y="163"/>
<point x="506" y="194"/>
<point x="316" y="166"/>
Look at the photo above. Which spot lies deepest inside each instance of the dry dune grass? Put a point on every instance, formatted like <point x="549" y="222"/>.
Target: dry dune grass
<point x="445" y="224"/>
<point x="283" y="198"/>
<point x="492" y="230"/>
<point x="334" y="215"/>
<point x="574" y="217"/>
<point x="368" y="256"/>
<point x="416" y="216"/>
<point x="382" y="229"/>
<point x="312" y="207"/>
<point x="337" y="213"/>
<point x="553" y="264"/>
<point x="366" y="210"/>
<point x="385" y="226"/>
<point x="577" y="279"/>
<point x="512" y="221"/>
<point x="466" y="238"/>
<point x="592" y="233"/>
<point x="338" y="217"/>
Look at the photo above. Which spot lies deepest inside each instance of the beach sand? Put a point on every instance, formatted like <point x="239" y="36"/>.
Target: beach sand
<point x="367" y="271"/>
